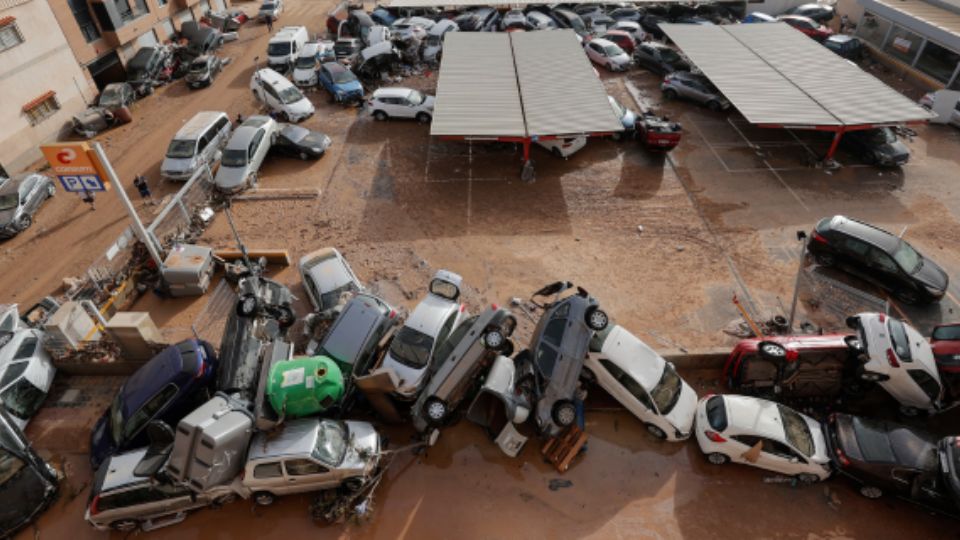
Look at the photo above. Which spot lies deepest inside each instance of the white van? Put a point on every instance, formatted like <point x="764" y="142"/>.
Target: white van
<point x="307" y="64"/>
<point x="285" y="46"/>
<point x="198" y="143"/>
<point x="280" y="95"/>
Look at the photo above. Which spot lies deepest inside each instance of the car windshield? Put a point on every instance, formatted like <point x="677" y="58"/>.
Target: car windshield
<point x="411" y="347"/>
<point x="612" y="50"/>
<point x="341" y="77"/>
<point x="949" y="332"/>
<point x="198" y="66"/>
<point x="666" y="393"/>
<point x="278" y="49"/>
<point x="907" y="257"/>
<point x="290" y="95"/>
<point x="331" y="442"/>
<point x="306" y="62"/>
<point x="180" y="149"/>
<point x="9" y="201"/>
<point x="267" y="6"/>
<point x="796" y="430"/>
<point x="23" y="399"/>
<point x="577" y="24"/>
<point x="116" y="420"/>
<point x="416" y="97"/>
<point x="111" y="97"/>
<point x="670" y="55"/>
<point x="234" y="158"/>
<point x="899" y="339"/>
<point x="332" y="298"/>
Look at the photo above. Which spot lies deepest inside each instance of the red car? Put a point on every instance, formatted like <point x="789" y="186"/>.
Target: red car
<point x="808" y="26"/>
<point x="945" y="343"/>
<point x="803" y="366"/>
<point x="623" y="39"/>
<point x="657" y="133"/>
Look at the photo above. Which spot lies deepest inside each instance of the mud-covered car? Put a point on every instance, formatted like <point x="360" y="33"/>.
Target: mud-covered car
<point x="28" y="485"/>
<point x="203" y="70"/>
<point x="557" y="351"/>
<point x="498" y="406"/>
<point x="467" y="352"/>
<point x="20" y="199"/>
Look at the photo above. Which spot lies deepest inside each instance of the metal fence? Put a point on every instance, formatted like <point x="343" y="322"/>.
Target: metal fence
<point x="829" y="301"/>
<point x="180" y="220"/>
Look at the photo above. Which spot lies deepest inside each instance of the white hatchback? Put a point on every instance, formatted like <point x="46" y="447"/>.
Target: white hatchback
<point x="414" y="349"/>
<point x="643" y="382"/>
<point x="607" y="54"/>
<point x="900" y="360"/>
<point x="401" y="103"/>
<point x="764" y="434"/>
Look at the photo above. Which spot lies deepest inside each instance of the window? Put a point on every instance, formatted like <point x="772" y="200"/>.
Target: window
<point x="717" y="413"/>
<point x="777" y="448"/>
<point x="900" y="340"/>
<point x="747" y="440"/>
<point x="10" y="465"/>
<point x="14" y="370"/>
<point x="162" y="3"/>
<point x="880" y="260"/>
<point x="42" y="108"/>
<point x="553" y="333"/>
<point x="303" y="467"/>
<point x="546" y="360"/>
<point x="150" y="409"/>
<point x="26" y="349"/>
<point x="123" y="8"/>
<point x="628" y="383"/>
<point x="873" y="29"/>
<point x="140" y="8"/>
<point x="856" y="247"/>
<point x="444" y="349"/>
<point x="903" y="44"/>
<point x="445" y="332"/>
<point x="267" y="470"/>
<point x="10" y="36"/>
<point x="255" y="143"/>
<point x="938" y="62"/>
<point x="81" y="13"/>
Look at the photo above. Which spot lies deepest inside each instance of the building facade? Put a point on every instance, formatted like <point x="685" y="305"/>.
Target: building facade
<point x="41" y="84"/>
<point x="104" y="34"/>
<point x="922" y="36"/>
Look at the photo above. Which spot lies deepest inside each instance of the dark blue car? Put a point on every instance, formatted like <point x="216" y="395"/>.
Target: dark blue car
<point x="168" y="387"/>
<point x="340" y="82"/>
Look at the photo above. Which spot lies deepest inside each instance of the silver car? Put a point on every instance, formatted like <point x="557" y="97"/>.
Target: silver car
<point x="327" y="277"/>
<point x="26" y="374"/>
<point x="311" y="454"/>
<point x="695" y="88"/>
<point x="244" y="154"/>
<point x="20" y="198"/>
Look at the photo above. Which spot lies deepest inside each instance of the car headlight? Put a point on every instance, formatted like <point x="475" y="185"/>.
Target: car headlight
<point x="317" y="150"/>
<point x="933" y="290"/>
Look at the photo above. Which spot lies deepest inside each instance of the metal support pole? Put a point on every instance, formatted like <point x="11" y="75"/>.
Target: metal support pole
<point x="526" y="150"/>
<point x="802" y="237"/>
<point x="834" y="144"/>
<point x="138" y="227"/>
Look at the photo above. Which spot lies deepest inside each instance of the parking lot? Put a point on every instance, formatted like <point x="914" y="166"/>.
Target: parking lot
<point x="664" y="241"/>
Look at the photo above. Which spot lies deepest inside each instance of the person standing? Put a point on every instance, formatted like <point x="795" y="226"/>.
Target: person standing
<point x="140" y="182"/>
<point x="89" y="198"/>
<point x="269" y="20"/>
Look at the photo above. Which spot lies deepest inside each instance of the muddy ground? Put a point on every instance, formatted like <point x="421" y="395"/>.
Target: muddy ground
<point x="718" y="216"/>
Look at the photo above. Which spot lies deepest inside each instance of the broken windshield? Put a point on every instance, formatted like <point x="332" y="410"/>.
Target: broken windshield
<point x="796" y="430"/>
<point x="411" y="347"/>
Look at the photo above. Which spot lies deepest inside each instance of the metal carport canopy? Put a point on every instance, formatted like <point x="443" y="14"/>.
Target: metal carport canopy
<point x="778" y="77"/>
<point x="478" y="3"/>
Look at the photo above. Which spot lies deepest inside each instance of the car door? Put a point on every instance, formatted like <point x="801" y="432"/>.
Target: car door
<point x="630" y="393"/>
<point x="257" y="150"/>
<point x="647" y="57"/>
<point x="326" y="80"/>
<point x="777" y="456"/>
<point x="442" y="336"/>
<point x="853" y="255"/>
<point x="884" y="270"/>
<point x="302" y="474"/>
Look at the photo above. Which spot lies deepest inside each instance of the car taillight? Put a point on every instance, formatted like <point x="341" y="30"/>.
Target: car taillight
<point x="494" y="306"/>
<point x="892" y="358"/>
<point x="93" y="504"/>
<point x="463" y="307"/>
<point x="393" y="313"/>
<point x="666" y="80"/>
<point x="817" y="237"/>
<point x="714" y="436"/>
<point x="882" y="318"/>
<point x="842" y="458"/>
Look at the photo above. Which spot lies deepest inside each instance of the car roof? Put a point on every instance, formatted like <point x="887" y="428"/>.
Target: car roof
<point x="309" y="49"/>
<point x="241" y="138"/>
<point x="864" y="231"/>
<point x="256" y="121"/>
<point x="754" y="416"/>
<point x="634" y="356"/>
<point x="196" y="125"/>
<point x="430" y="314"/>
<point x="395" y="91"/>
<point x="119" y="470"/>
<point x="334" y="67"/>
<point x="887" y="442"/>
<point x="326" y="268"/>
<point x="146" y="381"/>
<point x="272" y="77"/>
<point x="298" y="437"/>
<point x="603" y="42"/>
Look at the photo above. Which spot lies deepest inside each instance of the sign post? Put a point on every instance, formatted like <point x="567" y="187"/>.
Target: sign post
<point x="81" y="169"/>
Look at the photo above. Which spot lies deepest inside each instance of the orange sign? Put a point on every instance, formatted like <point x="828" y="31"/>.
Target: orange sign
<point x="76" y="162"/>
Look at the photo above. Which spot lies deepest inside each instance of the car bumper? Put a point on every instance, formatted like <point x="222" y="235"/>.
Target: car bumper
<point x="177" y="175"/>
<point x="893" y="161"/>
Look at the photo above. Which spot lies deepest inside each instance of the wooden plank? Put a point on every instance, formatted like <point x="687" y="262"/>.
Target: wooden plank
<point x="274" y="256"/>
<point x="562" y="449"/>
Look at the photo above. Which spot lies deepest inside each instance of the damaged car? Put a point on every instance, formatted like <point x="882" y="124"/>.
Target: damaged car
<point x="498" y="407"/>
<point x="28" y="485"/>
<point x="145" y="68"/>
<point x="203" y="70"/>
<point x="300" y="142"/>
<point x="340" y="83"/>
<point x="376" y="61"/>
<point x="26" y="374"/>
<point x="327" y="276"/>
<point x="20" y="200"/>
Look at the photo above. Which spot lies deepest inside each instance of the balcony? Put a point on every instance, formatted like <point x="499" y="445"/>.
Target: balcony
<point x="120" y="21"/>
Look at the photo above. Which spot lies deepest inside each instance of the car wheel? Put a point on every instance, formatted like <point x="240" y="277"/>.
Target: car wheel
<point x="656" y="432"/>
<point x="807" y="478"/>
<point x="907" y="296"/>
<point x="507" y="349"/>
<point x="51" y="190"/>
<point x="564" y="413"/>
<point x="435" y="411"/>
<point x="219" y="502"/>
<point x="423" y="118"/>
<point x="714" y="105"/>
<point x="286" y="317"/>
<point x="380" y="115"/>
<point x="853" y="342"/>
<point x="717" y="458"/>
<point x="871" y="492"/>
<point x="125" y="525"/>
<point x="824" y="259"/>
<point x="24" y="222"/>
<point x="772" y="351"/>
<point x="247" y="306"/>
<point x="353" y="485"/>
<point x="494" y="339"/>
<point x="303" y="156"/>
<point x="670" y="93"/>
<point x="596" y="318"/>
<point x="263" y="498"/>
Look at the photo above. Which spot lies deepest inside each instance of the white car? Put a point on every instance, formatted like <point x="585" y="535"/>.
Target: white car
<point x="764" y="434"/>
<point x="327" y="277"/>
<point x="272" y="8"/>
<point x="414" y="349"/>
<point x="401" y="103"/>
<point x="408" y="27"/>
<point x="632" y="28"/>
<point x="607" y="54"/>
<point x="943" y="102"/>
<point x="244" y="154"/>
<point x="26" y="374"/>
<point x="900" y="360"/>
<point x="540" y="21"/>
<point x="643" y="382"/>
<point x="564" y="147"/>
<point x="280" y="95"/>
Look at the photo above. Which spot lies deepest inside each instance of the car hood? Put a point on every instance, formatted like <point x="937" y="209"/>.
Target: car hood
<point x="301" y="107"/>
<point x="683" y="413"/>
<point x="894" y="150"/>
<point x="301" y="74"/>
<point x="621" y="58"/>
<point x="931" y="275"/>
<point x="316" y="141"/>
<point x="230" y="177"/>
<point x="194" y="76"/>
<point x="176" y="164"/>
<point x="429" y="102"/>
<point x="410" y="379"/>
<point x="348" y="88"/>
<point x="364" y="450"/>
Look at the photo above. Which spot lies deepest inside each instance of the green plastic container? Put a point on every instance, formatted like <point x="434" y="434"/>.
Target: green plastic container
<point x="304" y="386"/>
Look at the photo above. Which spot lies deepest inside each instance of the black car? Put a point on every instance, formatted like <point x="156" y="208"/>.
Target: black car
<point x="659" y="58"/>
<point x="203" y="70"/>
<point x="819" y="12"/>
<point x="887" y="458"/>
<point x="145" y="67"/>
<point x="568" y="19"/>
<point x="846" y="46"/>
<point x="879" y="257"/>
<point x="28" y="485"/>
<point x="483" y="19"/>
<point x="296" y="141"/>
<point x="877" y="146"/>
<point x="626" y="14"/>
<point x="347" y="49"/>
<point x="651" y="24"/>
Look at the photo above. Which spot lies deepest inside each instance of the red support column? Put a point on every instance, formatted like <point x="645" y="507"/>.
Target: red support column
<point x="526" y="149"/>
<point x="834" y="144"/>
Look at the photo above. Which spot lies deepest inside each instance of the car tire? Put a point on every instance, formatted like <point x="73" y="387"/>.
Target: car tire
<point x="286" y="317"/>
<point x="353" y="485"/>
<point x="714" y="105"/>
<point x="507" y="349"/>
<point x="907" y="296"/>
<point x="670" y="94"/>
<point x="263" y="498"/>
<point x="853" y="343"/>
<point x="852" y="322"/>
<point x="806" y="479"/>
<point x="303" y="156"/>
<point x="871" y="492"/>
<point x="494" y="340"/>
<point x="125" y="525"/>
<point x="825" y="259"/>
<point x="564" y="413"/>
<point x="424" y="118"/>
<point x="248" y="305"/>
<point x="219" y="502"/>
<point x="435" y="411"/>
<point x="717" y="458"/>
<point x="24" y="222"/>
<point x="51" y="191"/>
<point x="596" y="318"/>
<point x="771" y="351"/>
<point x="656" y="432"/>
<point x="380" y="115"/>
